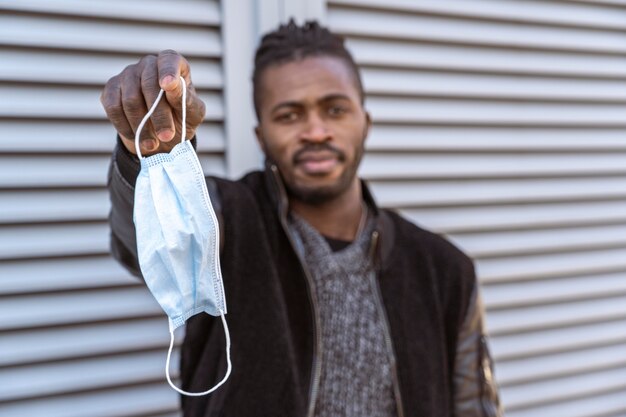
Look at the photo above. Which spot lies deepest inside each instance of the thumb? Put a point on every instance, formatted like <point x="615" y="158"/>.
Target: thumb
<point x="173" y="87"/>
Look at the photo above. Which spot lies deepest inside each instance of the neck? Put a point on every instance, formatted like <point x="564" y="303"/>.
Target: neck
<point x="338" y="218"/>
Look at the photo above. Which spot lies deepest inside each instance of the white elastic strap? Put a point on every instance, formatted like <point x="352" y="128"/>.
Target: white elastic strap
<point x="153" y="108"/>
<point x="230" y="366"/>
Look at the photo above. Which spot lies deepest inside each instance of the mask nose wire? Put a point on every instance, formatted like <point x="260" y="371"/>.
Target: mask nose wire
<point x="229" y="368"/>
<point x="153" y="108"/>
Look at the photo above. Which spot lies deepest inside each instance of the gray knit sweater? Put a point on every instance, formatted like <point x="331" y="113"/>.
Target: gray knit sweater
<point x="356" y="377"/>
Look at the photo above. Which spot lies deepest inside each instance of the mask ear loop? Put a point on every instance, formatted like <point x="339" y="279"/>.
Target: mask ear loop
<point x="228" y="369"/>
<point x="153" y="108"/>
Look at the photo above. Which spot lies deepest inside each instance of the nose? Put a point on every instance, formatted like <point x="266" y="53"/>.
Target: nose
<point x="315" y="129"/>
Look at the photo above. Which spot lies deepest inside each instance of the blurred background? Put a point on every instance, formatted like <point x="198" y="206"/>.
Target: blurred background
<point x="501" y="124"/>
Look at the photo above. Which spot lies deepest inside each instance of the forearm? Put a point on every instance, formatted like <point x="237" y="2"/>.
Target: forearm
<point x="123" y="173"/>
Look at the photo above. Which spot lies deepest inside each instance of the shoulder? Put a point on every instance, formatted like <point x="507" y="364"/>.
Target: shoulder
<point x="412" y="238"/>
<point x="431" y="257"/>
<point x="235" y="190"/>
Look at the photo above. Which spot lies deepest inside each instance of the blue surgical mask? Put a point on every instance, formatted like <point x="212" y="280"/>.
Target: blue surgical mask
<point x="178" y="237"/>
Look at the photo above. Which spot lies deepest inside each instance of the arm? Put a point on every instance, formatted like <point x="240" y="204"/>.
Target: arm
<point x="476" y="392"/>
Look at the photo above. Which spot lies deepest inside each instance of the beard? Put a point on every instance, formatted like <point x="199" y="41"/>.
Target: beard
<point x="319" y="194"/>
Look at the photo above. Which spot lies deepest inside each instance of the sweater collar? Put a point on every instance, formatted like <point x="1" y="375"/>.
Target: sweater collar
<point x="383" y="222"/>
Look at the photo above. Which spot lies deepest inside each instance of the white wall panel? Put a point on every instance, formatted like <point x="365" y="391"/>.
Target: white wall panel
<point x="150" y="399"/>
<point x="57" y="136"/>
<point x="502" y="125"/>
<point x="78" y="335"/>
<point x="479" y="58"/>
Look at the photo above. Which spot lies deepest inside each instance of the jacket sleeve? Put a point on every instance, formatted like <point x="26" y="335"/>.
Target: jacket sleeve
<point x="475" y="389"/>
<point x="122" y="177"/>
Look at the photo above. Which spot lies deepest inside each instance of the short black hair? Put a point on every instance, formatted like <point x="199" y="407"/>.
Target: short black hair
<point x="291" y="42"/>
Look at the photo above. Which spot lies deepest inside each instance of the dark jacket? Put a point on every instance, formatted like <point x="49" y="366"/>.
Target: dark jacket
<point x="427" y="287"/>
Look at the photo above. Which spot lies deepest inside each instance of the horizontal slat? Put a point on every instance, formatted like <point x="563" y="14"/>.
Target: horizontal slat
<point x="131" y="401"/>
<point x="545" y="12"/>
<point x="521" y="294"/>
<point x="67" y="67"/>
<point x="482" y="219"/>
<point x="53" y="205"/>
<point x="524" y="242"/>
<point x="565" y="314"/>
<point x="107" y="36"/>
<point x="63" y="136"/>
<point x="20" y="348"/>
<point x="97" y="373"/>
<point x="494" y="165"/>
<point x="449" y="193"/>
<point x="29" y="101"/>
<point x="492" y="113"/>
<point x="53" y="240"/>
<point x="73" y="170"/>
<point x="213" y="164"/>
<point x="551" y="265"/>
<point x="77" y="307"/>
<point x="441" y="84"/>
<point x="489" y="60"/>
<point x="553" y="366"/>
<point x="62" y="274"/>
<point x="612" y="404"/>
<point x="414" y="27"/>
<point x="492" y="139"/>
<point x="554" y="341"/>
<point x="564" y="389"/>
<point x="186" y="12"/>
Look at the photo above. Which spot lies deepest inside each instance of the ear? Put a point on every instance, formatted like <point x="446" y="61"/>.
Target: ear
<point x="368" y="124"/>
<point x="258" y="132"/>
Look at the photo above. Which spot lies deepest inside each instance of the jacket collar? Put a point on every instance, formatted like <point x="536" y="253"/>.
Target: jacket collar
<point x="384" y="222"/>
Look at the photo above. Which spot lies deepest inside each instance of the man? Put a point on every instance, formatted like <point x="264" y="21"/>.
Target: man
<point x="336" y="307"/>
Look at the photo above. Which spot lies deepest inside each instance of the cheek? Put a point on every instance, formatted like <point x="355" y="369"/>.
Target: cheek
<point x="275" y="145"/>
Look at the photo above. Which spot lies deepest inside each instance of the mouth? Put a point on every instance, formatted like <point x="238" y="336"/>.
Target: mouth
<point x="318" y="162"/>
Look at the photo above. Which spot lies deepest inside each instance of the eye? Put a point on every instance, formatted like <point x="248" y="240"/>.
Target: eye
<point x="336" y="111"/>
<point x="287" y="117"/>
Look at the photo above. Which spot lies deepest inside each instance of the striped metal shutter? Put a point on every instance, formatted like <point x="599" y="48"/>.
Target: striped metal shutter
<point x="78" y="335"/>
<point x="502" y="124"/>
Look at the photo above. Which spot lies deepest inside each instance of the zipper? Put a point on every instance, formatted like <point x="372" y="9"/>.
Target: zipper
<point x="387" y="332"/>
<point x="317" y="330"/>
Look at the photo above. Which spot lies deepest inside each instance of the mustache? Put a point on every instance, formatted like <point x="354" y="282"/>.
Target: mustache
<point x="317" y="147"/>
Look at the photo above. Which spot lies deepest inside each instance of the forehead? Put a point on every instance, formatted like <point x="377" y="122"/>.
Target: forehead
<point x="307" y="80"/>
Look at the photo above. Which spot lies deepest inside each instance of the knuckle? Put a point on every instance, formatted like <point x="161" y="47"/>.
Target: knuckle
<point x="169" y="52"/>
<point x="133" y="102"/>
<point x="150" y="81"/>
<point x="111" y="106"/>
<point x="148" y="59"/>
<point x="160" y="120"/>
<point x="130" y="69"/>
<point x="201" y="109"/>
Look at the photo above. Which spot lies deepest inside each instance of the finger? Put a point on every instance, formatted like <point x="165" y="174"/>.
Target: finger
<point x="171" y="66"/>
<point x="135" y="108"/>
<point x="111" y="99"/>
<point x="196" y="109"/>
<point x="162" y="119"/>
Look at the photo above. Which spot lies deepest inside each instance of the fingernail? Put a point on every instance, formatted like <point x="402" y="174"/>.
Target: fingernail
<point x="166" y="81"/>
<point x="149" y="144"/>
<point x="165" y="135"/>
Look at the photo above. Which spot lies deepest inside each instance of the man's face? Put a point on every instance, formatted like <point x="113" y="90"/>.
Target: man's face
<point x="312" y="126"/>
